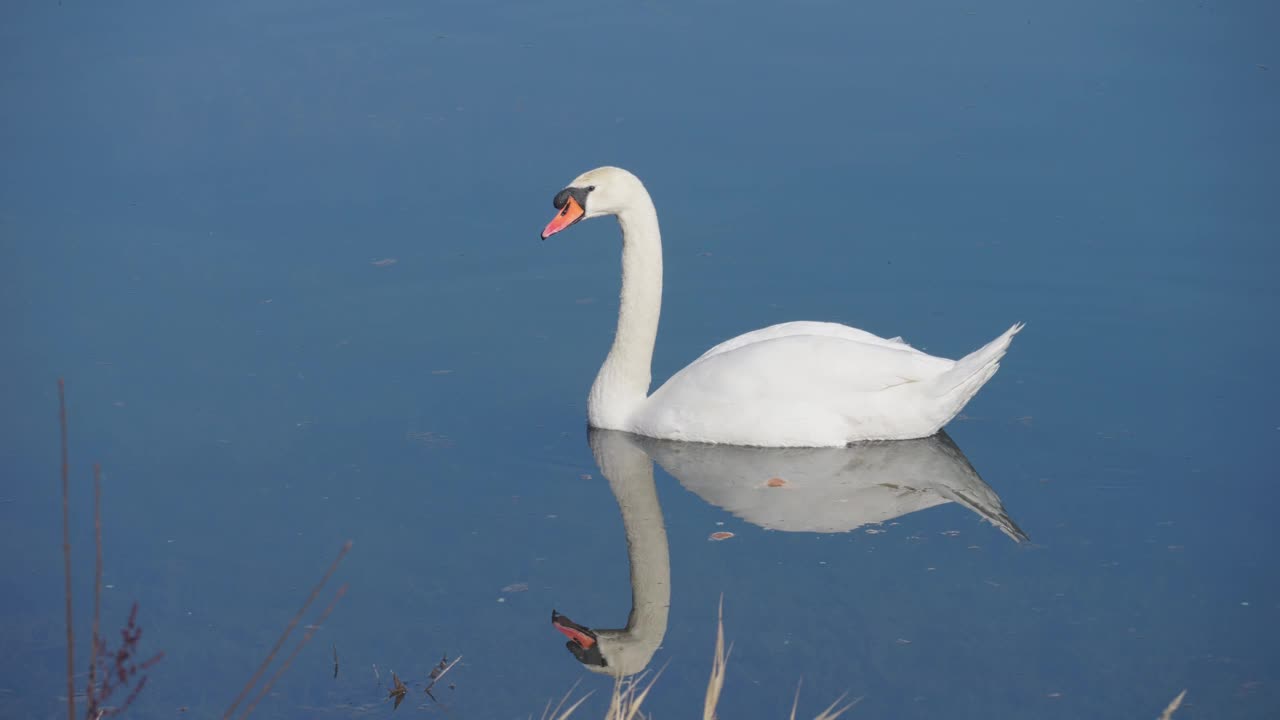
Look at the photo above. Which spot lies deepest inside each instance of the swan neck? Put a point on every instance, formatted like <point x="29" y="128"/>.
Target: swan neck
<point x="624" y="379"/>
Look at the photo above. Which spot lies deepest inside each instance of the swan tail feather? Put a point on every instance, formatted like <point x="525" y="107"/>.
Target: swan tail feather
<point x="955" y="387"/>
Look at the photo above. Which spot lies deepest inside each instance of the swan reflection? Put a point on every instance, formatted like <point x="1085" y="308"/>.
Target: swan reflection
<point x="819" y="490"/>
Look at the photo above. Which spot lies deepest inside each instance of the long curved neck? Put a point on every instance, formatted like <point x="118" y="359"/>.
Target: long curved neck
<point x="648" y="554"/>
<point x="623" y="381"/>
<point x="630" y="474"/>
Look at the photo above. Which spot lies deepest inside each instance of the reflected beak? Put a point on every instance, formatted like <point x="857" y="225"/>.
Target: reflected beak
<point x="581" y="635"/>
<point x="571" y="213"/>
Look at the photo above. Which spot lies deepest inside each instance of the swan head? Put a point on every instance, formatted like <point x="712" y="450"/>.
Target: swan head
<point x="603" y="191"/>
<point x="584" y="643"/>
<point x="607" y="652"/>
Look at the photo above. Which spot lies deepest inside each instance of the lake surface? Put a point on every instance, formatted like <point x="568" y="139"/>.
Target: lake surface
<point x="285" y="255"/>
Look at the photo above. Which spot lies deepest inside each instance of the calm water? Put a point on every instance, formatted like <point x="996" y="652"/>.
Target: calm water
<point x="194" y="204"/>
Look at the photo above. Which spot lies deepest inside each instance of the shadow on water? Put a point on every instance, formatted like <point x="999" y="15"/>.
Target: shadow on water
<point x="815" y="490"/>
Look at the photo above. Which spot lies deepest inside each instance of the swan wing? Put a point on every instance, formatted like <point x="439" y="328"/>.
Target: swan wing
<point x="791" y="389"/>
<point x="807" y="327"/>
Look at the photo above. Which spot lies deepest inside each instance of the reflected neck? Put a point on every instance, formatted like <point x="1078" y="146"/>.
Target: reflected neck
<point x="630" y="474"/>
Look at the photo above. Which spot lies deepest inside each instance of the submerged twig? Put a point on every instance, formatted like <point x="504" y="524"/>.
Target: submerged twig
<point x="301" y="644"/>
<point x="288" y="629"/>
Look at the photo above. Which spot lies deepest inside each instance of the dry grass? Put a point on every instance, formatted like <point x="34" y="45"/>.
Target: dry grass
<point x="560" y="712"/>
<point x="629" y="694"/>
<point x="1168" y="711"/>
<point x="719" y="663"/>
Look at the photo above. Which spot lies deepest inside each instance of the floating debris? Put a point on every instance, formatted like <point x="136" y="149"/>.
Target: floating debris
<point x="776" y="482"/>
<point x="950" y="533"/>
<point x="384" y="262"/>
<point x="398" y="691"/>
<point x="441" y="372"/>
<point x="438" y="672"/>
<point x="585" y="476"/>
<point x="516" y="587"/>
<point x="428" y="439"/>
<point x="720" y="535"/>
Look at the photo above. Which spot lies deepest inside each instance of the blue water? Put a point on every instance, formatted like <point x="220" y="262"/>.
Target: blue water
<point x="194" y="204"/>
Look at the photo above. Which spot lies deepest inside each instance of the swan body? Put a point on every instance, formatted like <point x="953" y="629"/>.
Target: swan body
<point x="796" y="384"/>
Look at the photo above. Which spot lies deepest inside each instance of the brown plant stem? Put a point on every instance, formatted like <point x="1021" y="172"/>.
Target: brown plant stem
<point x="66" y="551"/>
<point x="97" y="584"/>
<point x="288" y="629"/>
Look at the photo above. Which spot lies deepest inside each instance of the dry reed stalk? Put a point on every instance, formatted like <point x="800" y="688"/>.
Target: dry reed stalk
<point x="66" y="550"/>
<point x="629" y="695"/>
<point x="97" y="584"/>
<point x="1173" y="705"/>
<point x="625" y="704"/>
<point x="555" y="714"/>
<point x="718" y="665"/>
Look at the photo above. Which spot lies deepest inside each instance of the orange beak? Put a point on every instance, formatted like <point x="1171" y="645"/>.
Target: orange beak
<point x="571" y="213"/>
<point x="573" y="631"/>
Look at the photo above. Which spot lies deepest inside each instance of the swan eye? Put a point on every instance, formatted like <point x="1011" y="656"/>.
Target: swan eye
<point x="590" y="188"/>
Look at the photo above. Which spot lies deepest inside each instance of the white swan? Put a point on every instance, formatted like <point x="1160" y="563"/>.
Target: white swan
<point x="798" y="384"/>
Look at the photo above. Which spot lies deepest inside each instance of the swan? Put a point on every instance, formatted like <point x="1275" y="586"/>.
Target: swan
<point x="796" y="384"/>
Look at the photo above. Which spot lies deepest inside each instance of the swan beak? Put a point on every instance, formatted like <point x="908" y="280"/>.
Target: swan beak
<point x="571" y="213"/>
<point x="580" y="635"/>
